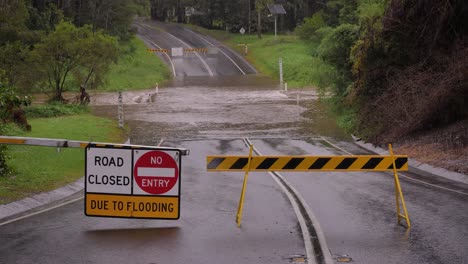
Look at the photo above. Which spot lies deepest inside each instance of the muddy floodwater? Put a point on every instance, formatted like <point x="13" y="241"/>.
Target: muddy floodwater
<point x="193" y="108"/>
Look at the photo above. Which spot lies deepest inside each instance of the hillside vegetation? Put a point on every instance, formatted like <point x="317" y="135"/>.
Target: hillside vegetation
<point x="393" y="67"/>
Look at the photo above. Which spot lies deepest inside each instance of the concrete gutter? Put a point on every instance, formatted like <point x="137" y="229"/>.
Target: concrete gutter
<point x="8" y="211"/>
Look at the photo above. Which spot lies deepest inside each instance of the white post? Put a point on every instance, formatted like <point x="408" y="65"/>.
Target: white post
<point x="157" y="88"/>
<point x="120" y="111"/>
<point x="286" y="87"/>
<point x="297" y="98"/>
<point x="281" y="71"/>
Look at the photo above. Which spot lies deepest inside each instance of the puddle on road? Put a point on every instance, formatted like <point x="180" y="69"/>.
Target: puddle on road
<point x="223" y="107"/>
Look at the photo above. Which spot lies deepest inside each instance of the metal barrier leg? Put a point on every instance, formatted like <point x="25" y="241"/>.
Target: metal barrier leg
<point x="399" y="193"/>
<point x="244" y="186"/>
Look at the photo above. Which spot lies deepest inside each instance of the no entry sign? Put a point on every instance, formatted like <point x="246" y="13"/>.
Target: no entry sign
<point x="155" y="172"/>
<point x="132" y="182"/>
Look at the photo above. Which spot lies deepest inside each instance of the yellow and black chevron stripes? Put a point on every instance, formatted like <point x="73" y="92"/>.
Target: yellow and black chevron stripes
<point x="158" y="50"/>
<point x="307" y="163"/>
<point x="196" y="49"/>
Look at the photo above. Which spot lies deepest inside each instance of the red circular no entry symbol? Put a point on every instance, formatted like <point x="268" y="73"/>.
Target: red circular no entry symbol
<point x="156" y="172"/>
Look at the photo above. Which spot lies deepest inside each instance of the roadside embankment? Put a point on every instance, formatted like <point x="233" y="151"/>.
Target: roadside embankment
<point x="38" y="169"/>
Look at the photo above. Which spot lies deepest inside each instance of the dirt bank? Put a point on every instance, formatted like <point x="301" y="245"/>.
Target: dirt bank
<point x="444" y="147"/>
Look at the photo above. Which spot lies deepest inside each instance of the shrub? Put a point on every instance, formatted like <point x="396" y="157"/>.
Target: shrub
<point x="335" y="49"/>
<point x="307" y="31"/>
<point x="54" y="110"/>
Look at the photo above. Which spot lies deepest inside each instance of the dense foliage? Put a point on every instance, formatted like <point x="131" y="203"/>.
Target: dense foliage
<point x="48" y="46"/>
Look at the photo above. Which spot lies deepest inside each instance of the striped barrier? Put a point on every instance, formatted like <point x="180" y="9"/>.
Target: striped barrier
<point x="250" y="163"/>
<point x="196" y="50"/>
<point x="307" y="163"/>
<point x="158" y="50"/>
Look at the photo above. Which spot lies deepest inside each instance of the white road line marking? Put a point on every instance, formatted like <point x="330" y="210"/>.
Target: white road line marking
<point x="41" y="211"/>
<point x="196" y="54"/>
<point x="227" y="56"/>
<point x="156" y="172"/>
<point x="160" y="142"/>
<point x="311" y="259"/>
<point x="190" y="47"/>
<point x="433" y="185"/>
<point x="335" y="146"/>
<point x="250" y="66"/>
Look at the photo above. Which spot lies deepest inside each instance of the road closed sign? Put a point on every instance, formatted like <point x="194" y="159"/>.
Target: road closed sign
<point x="132" y="182"/>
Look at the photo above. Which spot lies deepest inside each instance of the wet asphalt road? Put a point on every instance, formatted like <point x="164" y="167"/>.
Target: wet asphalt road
<point x="210" y="115"/>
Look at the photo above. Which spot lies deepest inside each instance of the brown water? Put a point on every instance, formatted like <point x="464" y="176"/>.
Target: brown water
<point x="220" y="107"/>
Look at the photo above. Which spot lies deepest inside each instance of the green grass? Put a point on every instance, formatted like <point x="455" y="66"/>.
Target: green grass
<point x="39" y="169"/>
<point x="301" y="67"/>
<point x="137" y="69"/>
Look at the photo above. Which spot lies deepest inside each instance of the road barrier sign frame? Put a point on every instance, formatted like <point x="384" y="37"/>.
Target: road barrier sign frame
<point x="366" y="163"/>
<point x="134" y="204"/>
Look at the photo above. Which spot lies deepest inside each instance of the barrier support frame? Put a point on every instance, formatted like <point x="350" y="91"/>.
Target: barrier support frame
<point x="244" y="186"/>
<point x="399" y="194"/>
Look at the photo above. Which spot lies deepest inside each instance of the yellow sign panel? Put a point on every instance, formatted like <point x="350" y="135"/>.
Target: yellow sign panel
<point x="130" y="206"/>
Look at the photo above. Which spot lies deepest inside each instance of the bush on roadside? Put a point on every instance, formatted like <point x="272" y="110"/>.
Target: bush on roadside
<point x="335" y="50"/>
<point x="307" y="30"/>
<point x="54" y="110"/>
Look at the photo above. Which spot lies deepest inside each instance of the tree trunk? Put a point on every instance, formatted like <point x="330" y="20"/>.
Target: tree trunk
<point x="250" y="18"/>
<point x="259" y="23"/>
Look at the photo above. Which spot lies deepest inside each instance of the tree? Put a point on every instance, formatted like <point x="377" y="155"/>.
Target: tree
<point x="70" y="48"/>
<point x="13" y="14"/>
<point x="100" y="51"/>
<point x="260" y="5"/>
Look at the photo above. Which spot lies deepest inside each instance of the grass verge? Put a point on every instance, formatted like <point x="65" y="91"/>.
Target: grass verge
<point x="39" y="169"/>
<point x="137" y="69"/>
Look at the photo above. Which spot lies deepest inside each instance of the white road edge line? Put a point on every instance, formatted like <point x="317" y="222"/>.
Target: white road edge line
<point x="311" y="258"/>
<point x="432" y="185"/>
<point x="335" y="146"/>
<point x="196" y="54"/>
<point x="248" y="64"/>
<point x="401" y="174"/>
<point x="170" y="60"/>
<point x="227" y="56"/>
<point x="41" y="211"/>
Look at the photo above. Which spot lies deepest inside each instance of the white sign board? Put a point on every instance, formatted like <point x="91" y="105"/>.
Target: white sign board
<point x="177" y="52"/>
<point x="212" y="50"/>
<point x="109" y="170"/>
<point x="132" y="182"/>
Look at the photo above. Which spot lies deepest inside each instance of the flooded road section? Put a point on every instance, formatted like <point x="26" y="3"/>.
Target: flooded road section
<point x="228" y="107"/>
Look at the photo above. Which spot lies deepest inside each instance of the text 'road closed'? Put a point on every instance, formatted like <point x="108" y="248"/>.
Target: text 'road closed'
<point x="132" y="206"/>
